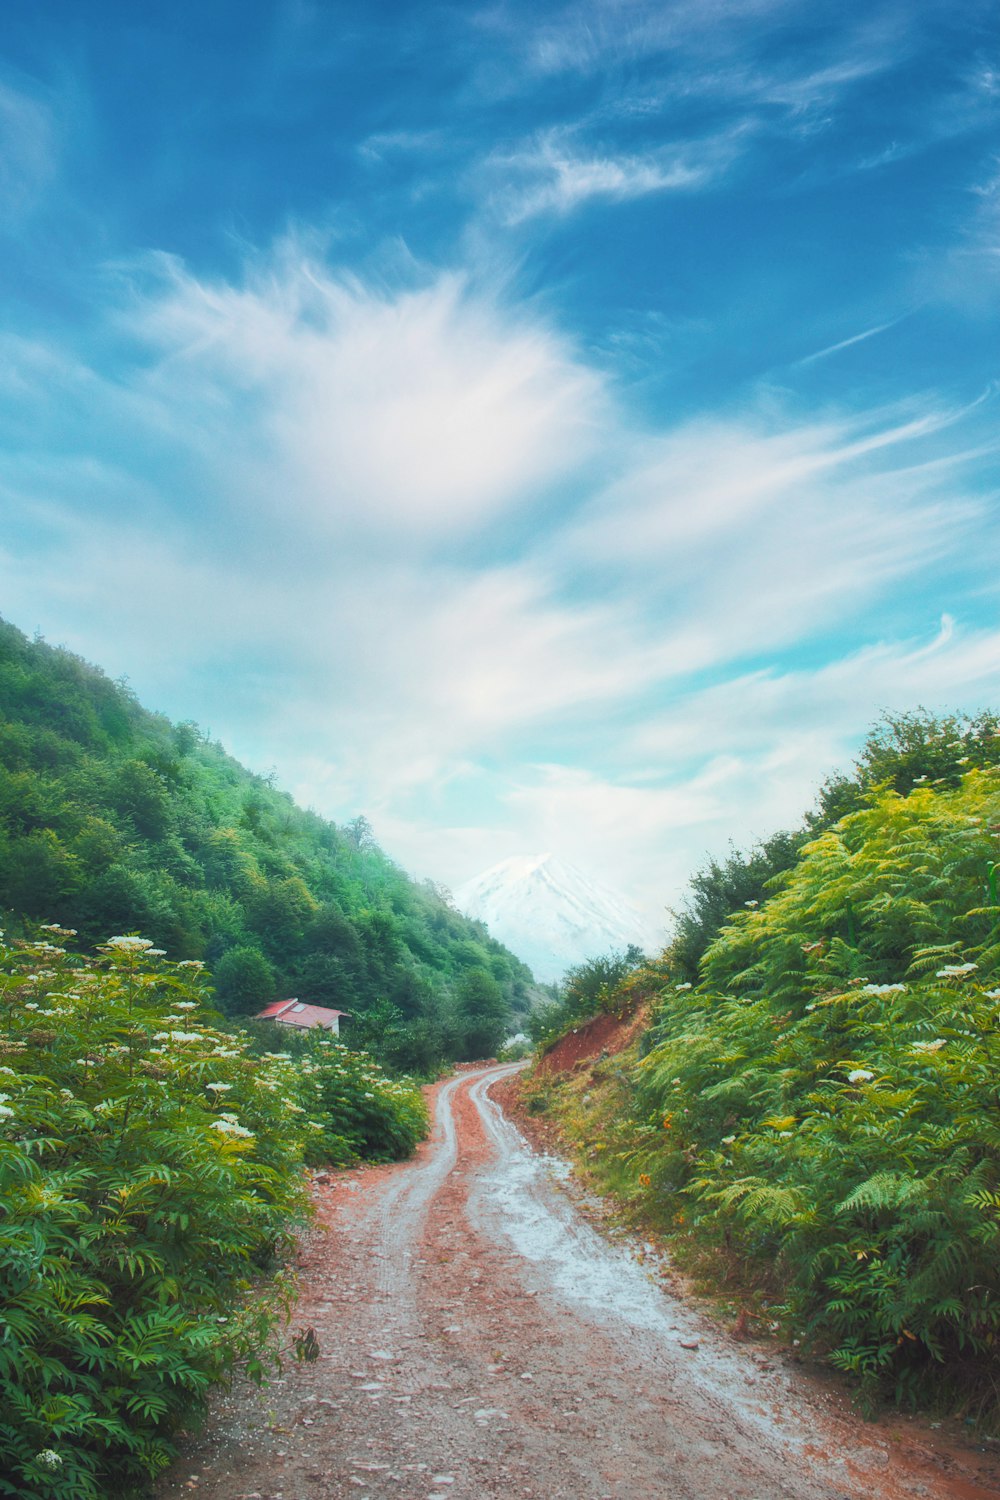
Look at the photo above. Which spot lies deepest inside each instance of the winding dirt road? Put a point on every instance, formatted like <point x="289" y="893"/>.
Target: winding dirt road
<point x="478" y="1338"/>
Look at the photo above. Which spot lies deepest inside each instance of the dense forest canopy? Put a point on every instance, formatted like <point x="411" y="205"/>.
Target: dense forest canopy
<point x="115" y="820"/>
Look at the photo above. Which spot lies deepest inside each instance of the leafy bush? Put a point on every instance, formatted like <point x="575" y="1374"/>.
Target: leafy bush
<point x="589" y="989"/>
<point x="361" y="1111"/>
<point x="825" y="1102"/>
<point x="148" y="1172"/>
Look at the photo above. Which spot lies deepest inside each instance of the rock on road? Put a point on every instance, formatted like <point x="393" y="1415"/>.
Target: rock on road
<point x="478" y="1338"/>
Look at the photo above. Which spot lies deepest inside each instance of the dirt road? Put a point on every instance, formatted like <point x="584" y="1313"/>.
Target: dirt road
<point x="479" y="1339"/>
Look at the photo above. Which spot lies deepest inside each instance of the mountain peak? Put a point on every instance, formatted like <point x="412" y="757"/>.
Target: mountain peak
<point x="551" y="914"/>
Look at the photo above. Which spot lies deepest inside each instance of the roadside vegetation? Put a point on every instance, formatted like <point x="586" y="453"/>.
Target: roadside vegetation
<point x="816" y="1103"/>
<point x="150" y="1182"/>
<point x="599" y="986"/>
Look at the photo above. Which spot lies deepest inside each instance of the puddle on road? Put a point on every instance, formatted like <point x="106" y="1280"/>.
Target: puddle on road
<point x="518" y="1196"/>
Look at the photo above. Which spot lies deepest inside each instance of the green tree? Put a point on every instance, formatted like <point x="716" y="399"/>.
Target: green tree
<point x="724" y="886"/>
<point x="484" y="1014"/>
<point x="245" y="981"/>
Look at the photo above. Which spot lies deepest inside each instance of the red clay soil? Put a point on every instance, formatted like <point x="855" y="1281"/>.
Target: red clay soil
<point x="604" y="1035"/>
<point x="478" y="1339"/>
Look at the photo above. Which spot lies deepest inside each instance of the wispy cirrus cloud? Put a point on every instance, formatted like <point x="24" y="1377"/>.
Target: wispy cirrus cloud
<point x="556" y="173"/>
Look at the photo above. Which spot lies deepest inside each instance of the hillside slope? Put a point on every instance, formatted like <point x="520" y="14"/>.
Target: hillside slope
<point x="113" y="819"/>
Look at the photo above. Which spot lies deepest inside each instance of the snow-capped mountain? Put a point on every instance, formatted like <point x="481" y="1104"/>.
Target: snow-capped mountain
<point x="550" y="914"/>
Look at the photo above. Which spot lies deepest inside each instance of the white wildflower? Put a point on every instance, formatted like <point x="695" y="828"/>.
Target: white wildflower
<point x="185" y="1005"/>
<point x="6" y="1113"/>
<point x="129" y="944"/>
<point x="751" y="904"/>
<point x="884" y="989"/>
<point x="934" y="1046"/>
<point x="227" y="1127"/>
<point x="682" y="986"/>
<point x="185" y="1036"/>
<point x="219" y="1088"/>
<point x="952" y="971"/>
<point x="860" y="1075"/>
<point x="49" y="1459"/>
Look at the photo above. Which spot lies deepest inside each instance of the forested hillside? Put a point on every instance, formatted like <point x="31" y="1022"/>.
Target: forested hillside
<point x="813" y="1104"/>
<point x="114" y="820"/>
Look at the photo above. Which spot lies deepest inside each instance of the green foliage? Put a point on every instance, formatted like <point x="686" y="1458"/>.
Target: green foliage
<point x="245" y="981"/>
<point x="596" y="986"/>
<point x="364" y="1113"/>
<point x="724" y="886"/>
<point x="825" y="1102"/>
<point x="903" y="751"/>
<point x="908" y="750"/>
<point x="483" y="1014"/>
<point x="114" y="820"/>
<point x="149" y="1173"/>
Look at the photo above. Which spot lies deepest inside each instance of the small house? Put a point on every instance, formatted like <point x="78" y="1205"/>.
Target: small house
<point x="295" y="1013"/>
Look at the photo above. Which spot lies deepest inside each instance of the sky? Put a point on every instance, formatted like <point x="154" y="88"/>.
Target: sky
<point x="534" y="427"/>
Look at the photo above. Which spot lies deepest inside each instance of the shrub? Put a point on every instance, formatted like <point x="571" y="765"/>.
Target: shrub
<point x="147" y="1174"/>
<point x="825" y="1102"/>
<point x="360" y="1111"/>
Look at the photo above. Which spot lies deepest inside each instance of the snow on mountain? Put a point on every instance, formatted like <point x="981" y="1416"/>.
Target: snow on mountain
<point x="551" y="915"/>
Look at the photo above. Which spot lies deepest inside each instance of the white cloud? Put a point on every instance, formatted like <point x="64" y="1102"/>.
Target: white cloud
<point x="553" y="175"/>
<point x="732" y="763"/>
<point x="326" y="535"/>
<point x="414" y="410"/>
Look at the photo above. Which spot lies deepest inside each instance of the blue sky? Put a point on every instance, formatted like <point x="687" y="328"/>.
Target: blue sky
<point x="533" y="426"/>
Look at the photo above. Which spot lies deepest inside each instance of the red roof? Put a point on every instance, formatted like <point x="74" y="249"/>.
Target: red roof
<point x="295" y="1013"/>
